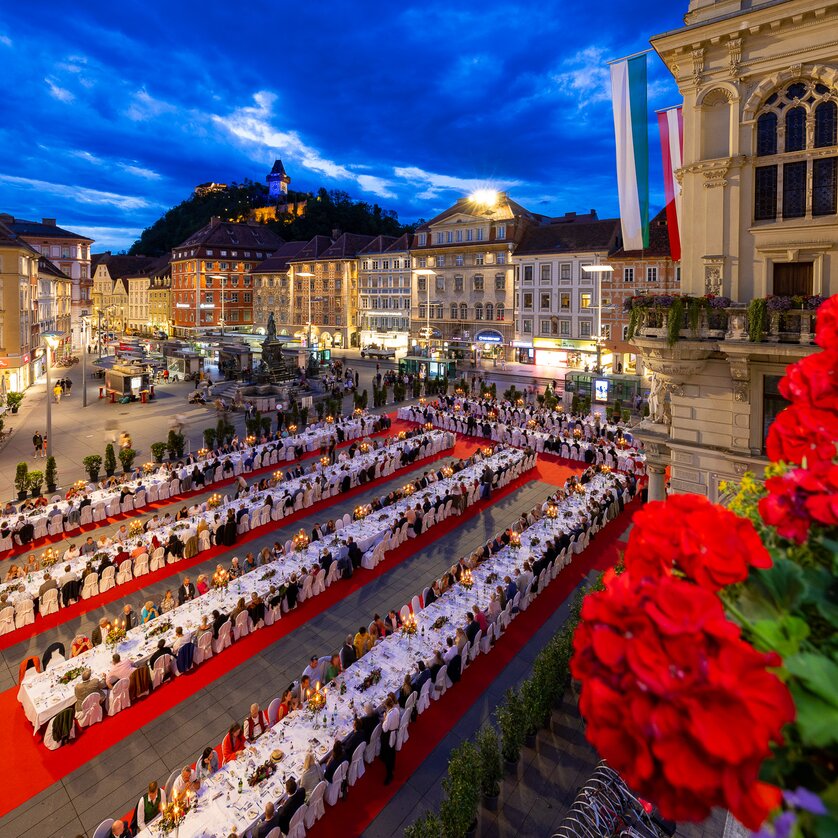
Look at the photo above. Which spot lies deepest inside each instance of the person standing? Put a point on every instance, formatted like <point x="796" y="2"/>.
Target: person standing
<point x="44" y="445"/>
<point x="37" y="444"/>
<point x="389" y="732"/>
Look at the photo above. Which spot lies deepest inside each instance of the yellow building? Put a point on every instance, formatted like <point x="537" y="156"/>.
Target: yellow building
<point x="18" y="276"/>
<point x="160" y="298"/>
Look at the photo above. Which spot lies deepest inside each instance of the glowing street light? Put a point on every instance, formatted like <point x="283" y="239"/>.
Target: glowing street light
<point x="486" y="197"/>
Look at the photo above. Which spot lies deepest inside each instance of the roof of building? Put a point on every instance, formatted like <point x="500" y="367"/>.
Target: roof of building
<point x="9" y="238"/>
<point x="313" y="249"/>
<point x="121" y="266"/>
<point x="402" y="243"/>
<point x="504" y="209"/>
<point x="569" y="234"/>
<point x="347" y="246"/>
<point x="379" y="244"/>
<point x="233" y="233"/>
<point x="278" y="169"/>
<point x="45" y="266"/>
<point x="44" y="229"/>
<point x="278" y="263"/>
<point x="658" y="241"/>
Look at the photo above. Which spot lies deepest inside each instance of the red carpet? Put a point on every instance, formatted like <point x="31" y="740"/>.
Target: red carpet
<point x="369" y="796"/>
<point x="396" y="426"/>
<point x="43" y="624"/>
<point x="41" y="767"/>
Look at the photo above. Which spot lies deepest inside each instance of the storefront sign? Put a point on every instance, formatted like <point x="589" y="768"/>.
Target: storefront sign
<point x="601" y="389"/>
<point x="489" y="336"/>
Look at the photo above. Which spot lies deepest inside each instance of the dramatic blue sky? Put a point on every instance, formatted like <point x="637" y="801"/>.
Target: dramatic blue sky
<point x="112" y="112"/>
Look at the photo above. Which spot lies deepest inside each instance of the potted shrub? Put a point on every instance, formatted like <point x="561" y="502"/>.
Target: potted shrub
<point x="158" y="449"/>
<point x="458" y="811"/>
<point x="92" y="463"/>
<point x="626" y="415"/>
<point x="110" y="459"/>
<point x="508" y="715"/>
<point x="51" y="475"/>
<point x="35" y="480"/>
<point x="304" y="417"/>
<point x="209" y="438"/>
<point x="265" y="422"/>
<point x="127" y="457"/>
<point x="491" y="769"/>
<point x="320" y="407"/>
<point x="428" y="826"/>
<point x="13" y="400"/>
<point x="21" y="480"/>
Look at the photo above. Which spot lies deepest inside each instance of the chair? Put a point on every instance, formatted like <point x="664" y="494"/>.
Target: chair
<point x="91" y="710"/>
<point x="140" y="565"/>
<point x="104" y="828"/>
<point x="296" y="826"/>
<point x="91" y="586"/>
<point x="416" y="604"/>
<point x="49" y="603"/>
<point x="24" y="612"/>
<point x="424" y="697"/>
<point x="118" y="698"/>
<point x="356" y="766"/>
<point x="185" y="658"/>
<point x="242" y="626"/>
<point x="223" y="640"/>
<point x="99" y="512"/>
<point x="276" y="832"/>
<point x="486" y="642"/>
<point x="125" y="574"/>
<point x="171" y="781"/>
<point x="333" y="792"/>
<point x="162" y="667"/>
<point x="374" y="747"/>
<point x="158" y="559"/>
<point x="7" y="619"/>
<point x="52" y="649"/>
<point x="441" y="683"/>
<point x="273" y="711"/>
<point x="474" y="651"/>
<point x="108" y="579"/>
<point x="316" y="807"/>
<point x="403" y="735"/>
<point x="404" y="613"/>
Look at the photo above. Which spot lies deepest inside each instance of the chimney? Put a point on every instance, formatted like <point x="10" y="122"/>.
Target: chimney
<point x="50" y="222"/>
<point x="336" y="233"/>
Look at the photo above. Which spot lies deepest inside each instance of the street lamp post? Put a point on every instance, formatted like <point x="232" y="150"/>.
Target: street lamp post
<point x="51" y="340"/>
<point x="83" y="364"/>
<point x="598" y="271"/>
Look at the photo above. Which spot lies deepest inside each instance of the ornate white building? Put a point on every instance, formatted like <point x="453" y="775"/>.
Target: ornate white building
<point x="760" y="168"/>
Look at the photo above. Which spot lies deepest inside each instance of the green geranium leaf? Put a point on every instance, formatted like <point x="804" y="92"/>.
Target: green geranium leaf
<point x="822" y="591"/>
<point x="817" y="720"/>
<point x="772" y="592"/>
<point x="783" y="635"/>
<point x="818" y="674"/>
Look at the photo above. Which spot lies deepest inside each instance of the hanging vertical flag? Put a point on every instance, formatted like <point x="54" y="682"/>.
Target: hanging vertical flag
<point x="628" y="96"/>
<point x="671" y="125"/>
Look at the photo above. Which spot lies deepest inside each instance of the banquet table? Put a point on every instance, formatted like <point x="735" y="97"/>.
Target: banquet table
<point x="43" y="696"/>
<point x="313" y="438"/>
<point x="254" y="503"/>
<point x="222" y="809"/>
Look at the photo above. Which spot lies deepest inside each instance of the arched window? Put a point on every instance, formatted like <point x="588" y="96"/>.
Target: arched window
<point x="809" y="116"/>
<point x="490" y="311"/>
<point x="463" y="311"/>
<point x="454" y="311"/>
<point x="501" y="311"/>
<point x="826" y="125"/>
<point x="478" y="311"/>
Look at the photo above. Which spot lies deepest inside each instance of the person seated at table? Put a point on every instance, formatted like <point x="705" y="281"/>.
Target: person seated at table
<point x="374" y="635"/>
<point x="32" y="564"/>
<point x="207" y="764"/>
<point x="240" y="606"/>
<point x="186" y="781"/>
<point x="174" y="545"/>
<point x="312" y="773"/>
<point x="511" y="588"/>
<point x="267" y="823"/>
<point x="383" y="629"/>
<point x="149" y="612"/>
<point x="218" y="620"/>
<point x="291" y="591"/>
<point x="336" y="759"/>
<point x="345" y="567"/>
<point x="301" y="690"/>
<point x="119" y="829"/>
<point x="150" y="804"/>
<point x="451" y="649"/>
<point x="120" y="669"/>
<point x="86" y="687"/>
<point x="180" y="640"/>
<point x="264" y="557"/>
<point x="168" y="602"/>
<point x="472" y="627"/>
<point x="129" y="617"/>
<point x="89" y="547"/>
<point x="235" y="568"/>
<point x="255" y="724"/>
<point x="422" y="675"/>
<point x="391" y="622"/>
<point x="249" y="562"/>
<point x="232" y="744"/>
<point x="161" y="650"/>
<point x="314" y="671"/>
<point x="348" y="655"/>
<point x="296" y="798"/>
<point x="333" y="669"/>
<point x="256" y="609"/>
<point x="202" y="584"/>
<point x="287" y="704"/>
<point x="362" y="642"/>
<point x="80" y="644"/>
<point x="494" y="608"/>
<point x="405" y="691"/>
<point x="14" y="572"/>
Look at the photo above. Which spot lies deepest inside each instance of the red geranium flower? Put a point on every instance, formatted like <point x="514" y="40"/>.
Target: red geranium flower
<point x="675" y="700"/>
<point x="813" y="381"/>
<point x="784" y="507"/>
<point x="802" y="432"/>
<point x="826" y="323"/>
<point x="820" y="483"/>
<point x="706" y="542"/>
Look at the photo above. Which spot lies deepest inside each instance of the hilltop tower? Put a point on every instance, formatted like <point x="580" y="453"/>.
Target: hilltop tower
<point x="278" y="181"/>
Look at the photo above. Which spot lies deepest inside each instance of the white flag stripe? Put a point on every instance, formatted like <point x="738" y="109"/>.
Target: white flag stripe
<point x="626" y="169"/>
<point x="674" y="126"/>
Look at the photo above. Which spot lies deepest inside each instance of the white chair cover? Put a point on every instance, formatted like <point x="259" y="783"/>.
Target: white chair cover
<point x="374" y="747"/>
<point x="108" y="579"/>
<point x="424" y="697"/>
<point x="49" y="603"/>
<point x="297" y="826"/>
<point x="141" y="565"/>
<point x="223" y="638"/>
<point x="242" y="626"/>
<point x="162" y="665"/>
<point x="91" y="586"/>
<point x="333" y="792"/>
<point x="316" y="806"/>
<point x="118" y="699"/>
<point x="203" y="650"/>
<point x="91" y="710"/>
<point x="7" y="619"/>
<point x="24" y="612"/>
<point x="356" y="766"/>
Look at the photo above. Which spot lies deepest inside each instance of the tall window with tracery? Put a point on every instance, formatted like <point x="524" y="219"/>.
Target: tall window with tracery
<point x="797" y="149"/>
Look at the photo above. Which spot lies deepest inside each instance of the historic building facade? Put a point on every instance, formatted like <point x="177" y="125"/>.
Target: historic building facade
<point x="760" y="87"/>
<point x="272" y="289"/>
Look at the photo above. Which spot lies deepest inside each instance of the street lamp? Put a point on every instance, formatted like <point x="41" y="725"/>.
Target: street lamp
<point x="51" y="341"/>
<point x="598" y="271"/>
<point x="427" y="273"/>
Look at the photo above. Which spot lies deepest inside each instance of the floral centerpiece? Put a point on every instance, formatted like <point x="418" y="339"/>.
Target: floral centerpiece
<point x="552" y="511"/>
<point x="532" y="424"/>
<point x="135" y="528"/>
<point x="447" y="471"/>
<point x="292" y="429"/>
<point x="330" y="420"/>
<point x="358" y="412"/>
<point x="300" y="541"/>
<point x="466" y="579"/>
<point x="408" y="489"/>
<point x="519" y="402"/>
<point x="535" y="541"/>
<point x="325" y="461"/>
<point x="514" y="541"/>
<point x="364" y="448"/>
<point x="250" y="439"/>
<point x="214" y="501"/>
<point x="149" y="468"/>
<point x="370" y="681"/>
<point x="116" y="633"/>
<point x="409" y="626"/>
<point x="70" y="675"/>
<point x="491" y="578"/>
<point x="220" y="579"/>
<point x="49" y="557"/>
<point x="577" y="433"/>
<point x="487" y="451"/>
<point x="579" y="489"/>
<point x="457" y="408"/>
<point x="492" y="414"/>
<point x="361" y="512"/>
<point x="439" y="622"/>
<point x="429" y="426"/>
<point x="262" y="772"/>
<point x="422" y="402"/>
<point x="459" y="392"/>
<point x="202" y="452"/>
<point x="159" y="627"/>
<point x="401" y="435"/>
<point x="268" y="574"/>
<point x="716" y="653"/>
<point x="173" y="813"/>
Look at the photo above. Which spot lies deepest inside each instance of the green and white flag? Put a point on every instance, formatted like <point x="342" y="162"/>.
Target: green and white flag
<point x="631" y="130"/>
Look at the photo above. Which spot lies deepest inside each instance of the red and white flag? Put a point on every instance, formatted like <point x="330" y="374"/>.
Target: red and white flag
<point x="671" y="125"/>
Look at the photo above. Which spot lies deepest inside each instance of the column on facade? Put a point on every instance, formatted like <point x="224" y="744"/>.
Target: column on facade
<point x="657" y="482"/>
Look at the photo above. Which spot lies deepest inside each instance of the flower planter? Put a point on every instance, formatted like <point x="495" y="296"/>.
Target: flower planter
<point x="109" y="472"/>
<point x="511" y="767"/>
<point x="472" y="830"/>
<point x="21" y="495"/>
<point x="529" y="739"/>
<point x="94" y="476"/>
<point x="14" y="408"/>
<point x="51" y="487"/>
<point x="36" y="491"/>
<point x="490" y="802"/>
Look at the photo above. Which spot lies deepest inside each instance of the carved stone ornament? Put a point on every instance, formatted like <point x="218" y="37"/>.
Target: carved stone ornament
<point x="698" y="64"/>
<point x="735" y="55"/>
<point x="741" y="391"/>
<point x="741" y="374"/>
<point x="713" y="280"/>
<point x="740" y="468"/>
